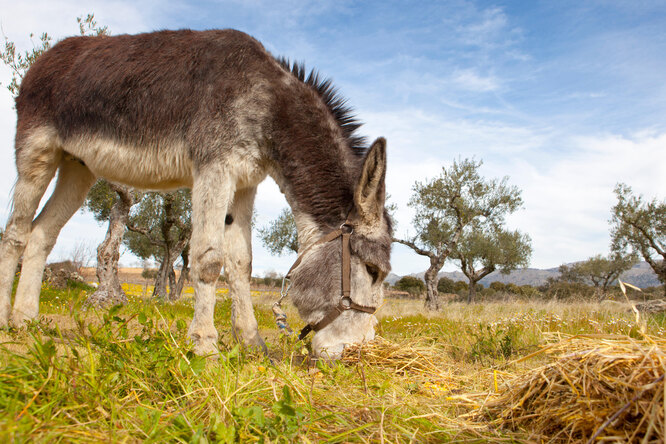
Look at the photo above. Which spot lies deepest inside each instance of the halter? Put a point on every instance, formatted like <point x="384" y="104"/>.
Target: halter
<point x="344" y="303"/>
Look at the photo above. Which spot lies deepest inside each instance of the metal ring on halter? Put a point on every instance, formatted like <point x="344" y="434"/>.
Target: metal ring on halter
<point x="345" y="303"/>
<point x="348" y="226"/>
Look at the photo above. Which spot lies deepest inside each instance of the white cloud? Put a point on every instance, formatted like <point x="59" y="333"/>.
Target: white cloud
<point x="568" y="198"/>
<point x="470" y="80"/>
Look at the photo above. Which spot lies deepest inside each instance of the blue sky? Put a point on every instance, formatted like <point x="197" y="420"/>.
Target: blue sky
<point x="566" y="98"/>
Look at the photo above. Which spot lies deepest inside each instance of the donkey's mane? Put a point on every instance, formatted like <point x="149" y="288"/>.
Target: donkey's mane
<point x="337" y="105"/>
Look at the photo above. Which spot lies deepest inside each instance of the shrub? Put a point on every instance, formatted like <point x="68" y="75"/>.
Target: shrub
<point x="446" y="285"/>
<point x="498" y="286"/>
<point x="529" y="291"/>
<point x="461" y="286"/>
<point x="149" y="273"/>
<point x="567" y="290"/>
<point x="411" y="285"/>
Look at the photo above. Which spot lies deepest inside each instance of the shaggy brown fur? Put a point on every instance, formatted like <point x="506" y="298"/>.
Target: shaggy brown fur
<point x="210" y="110"/>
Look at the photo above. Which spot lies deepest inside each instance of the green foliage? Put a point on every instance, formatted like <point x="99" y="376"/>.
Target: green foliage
<point x="461" y="286"/>
<point x="410" y="284"/>
<point x="497" y="286"/>
<point x="564" y="290"/>
<point x="482" y="249"/>
<point x="157" y="222"/>
<point x="100" y="200"/>
<point x="461" y="215"/>
<point x="598" y="271"/>
<point x="640" y="226"/>
<point x="19" y="63"/>
<point x="149" y="273"/>
<point x="280" y="236"/>
<point x="459" y="197"/>
<point x="285" y="423"/>
<point x="490" y="343"/>
<point x="446" y="285"/>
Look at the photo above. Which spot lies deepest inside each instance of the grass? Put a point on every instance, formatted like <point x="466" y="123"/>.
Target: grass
<point x="128" y="374"/>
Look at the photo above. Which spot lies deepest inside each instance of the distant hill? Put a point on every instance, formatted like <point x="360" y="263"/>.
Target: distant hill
<point x="641" y="275"/>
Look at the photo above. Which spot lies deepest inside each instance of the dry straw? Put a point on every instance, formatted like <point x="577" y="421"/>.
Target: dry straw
<point x="597" y="389"/>
<point x="594" y="388"/>
<point x="410" y="358"/>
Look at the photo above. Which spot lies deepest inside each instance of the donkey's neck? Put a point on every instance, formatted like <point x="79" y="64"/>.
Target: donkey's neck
<point x="318" y="206"/>
<point x="314" y="167"/>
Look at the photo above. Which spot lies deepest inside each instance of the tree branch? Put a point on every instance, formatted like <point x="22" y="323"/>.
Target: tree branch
<point x="649" y="238"/>
<point x="418" y="250"/>
<point x="146" y="233"/>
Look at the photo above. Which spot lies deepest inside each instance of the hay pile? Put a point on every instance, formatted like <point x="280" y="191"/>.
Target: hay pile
<point x="410" y="358"/>
<point x="597" y="389"/>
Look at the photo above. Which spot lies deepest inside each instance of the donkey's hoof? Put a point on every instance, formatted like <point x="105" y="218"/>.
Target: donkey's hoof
<point x="20" y="319"/>
<point x="207" y="350"/>
<point x="205" y="345"/>
<point x="252" y="339"/>
<point x="258" y="344"/>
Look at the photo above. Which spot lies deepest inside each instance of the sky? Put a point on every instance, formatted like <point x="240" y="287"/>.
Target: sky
<point x="566" y="98"/>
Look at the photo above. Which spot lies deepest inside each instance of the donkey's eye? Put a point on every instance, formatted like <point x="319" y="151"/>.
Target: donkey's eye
<point x="373" y="272"/>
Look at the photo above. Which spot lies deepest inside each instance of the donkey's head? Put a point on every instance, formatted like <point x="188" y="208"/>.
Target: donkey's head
<point x="335" y="291"/>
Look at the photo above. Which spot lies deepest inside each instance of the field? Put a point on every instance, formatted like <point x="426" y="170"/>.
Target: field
<point x="128" y="375"/>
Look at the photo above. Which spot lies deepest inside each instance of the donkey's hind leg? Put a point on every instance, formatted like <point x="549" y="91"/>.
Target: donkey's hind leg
<point x="37" y="159"/>
<point x="74" y="181"/>
<point x="238" y="267"/>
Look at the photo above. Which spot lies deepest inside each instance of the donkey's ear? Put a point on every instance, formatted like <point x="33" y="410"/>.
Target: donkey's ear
<point x="370" y="191"/>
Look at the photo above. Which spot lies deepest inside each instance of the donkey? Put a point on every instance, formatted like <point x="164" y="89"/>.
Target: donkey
<point x="215" y="112"/>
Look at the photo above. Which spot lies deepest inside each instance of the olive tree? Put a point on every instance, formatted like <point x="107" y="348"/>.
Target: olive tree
<point x="484" y="249"/>
<point x="111" y="203"/>
<point x="448" y="205"/>
<point x="598" y="271"/>
<point x="159" y="227"/>
<point x="640" y="226"/>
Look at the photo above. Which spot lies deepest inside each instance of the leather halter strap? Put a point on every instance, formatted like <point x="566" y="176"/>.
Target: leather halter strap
<point x="345" y="302"/>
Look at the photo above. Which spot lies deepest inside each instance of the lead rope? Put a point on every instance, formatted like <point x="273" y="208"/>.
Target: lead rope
<point x="278" y="312"/>
<point x="280" y="315"/>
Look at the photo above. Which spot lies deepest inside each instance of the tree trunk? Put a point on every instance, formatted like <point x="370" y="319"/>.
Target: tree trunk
<point x="471" y="296"/>
<point x="109" y="291"/>
<point x="177" y="289"/>
<point x="161" y="280"/>
<point x="432" y="295"/>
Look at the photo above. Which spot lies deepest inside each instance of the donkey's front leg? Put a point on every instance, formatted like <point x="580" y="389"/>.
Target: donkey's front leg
<point x="238" y="267"/>
<point x="211" y="195"/>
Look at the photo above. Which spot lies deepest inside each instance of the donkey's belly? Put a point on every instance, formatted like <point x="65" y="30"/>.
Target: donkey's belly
<point x="161" y="167"/>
